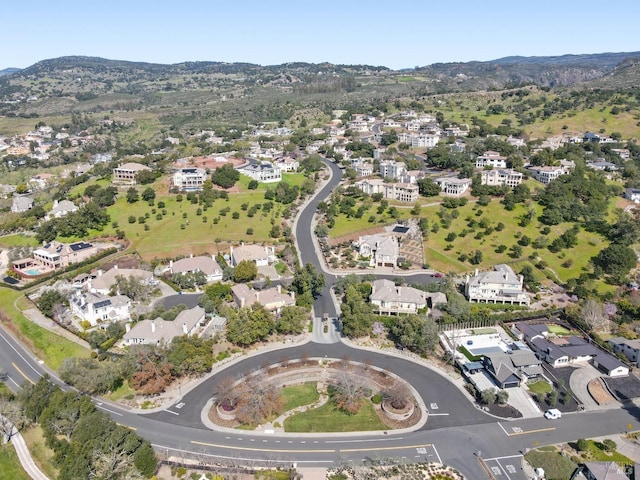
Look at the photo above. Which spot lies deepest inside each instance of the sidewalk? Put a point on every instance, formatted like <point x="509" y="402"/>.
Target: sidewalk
<point x="25" y="457"/>
<point x="39" y="319"/>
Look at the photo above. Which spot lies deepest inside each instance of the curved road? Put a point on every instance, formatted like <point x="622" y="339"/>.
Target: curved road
<point x="456" y="432"/>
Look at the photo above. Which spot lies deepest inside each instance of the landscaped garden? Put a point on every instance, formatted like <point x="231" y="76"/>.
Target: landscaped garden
<point x="315" y="396"/>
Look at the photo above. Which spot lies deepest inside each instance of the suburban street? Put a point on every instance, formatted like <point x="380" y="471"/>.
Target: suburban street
<point x="456" y="432"/>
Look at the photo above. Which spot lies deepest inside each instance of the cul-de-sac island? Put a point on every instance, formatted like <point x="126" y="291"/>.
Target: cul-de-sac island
<point x="229" y="271"/>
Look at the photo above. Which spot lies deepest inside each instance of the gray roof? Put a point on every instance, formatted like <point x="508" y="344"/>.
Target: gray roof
<point x="203" y="263"/>
<point x="609" y="362"/>
<point x="501" y="274"/>
<point x="165" y="331"/>
<point x="606" y="471"/>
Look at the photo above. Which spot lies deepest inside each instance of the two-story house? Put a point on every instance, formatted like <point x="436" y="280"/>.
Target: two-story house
<point x="391" y="299"/>
<point x="501" y="285"/>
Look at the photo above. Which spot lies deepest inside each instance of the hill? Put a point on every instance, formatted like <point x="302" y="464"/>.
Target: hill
<point x="8" y="71"/>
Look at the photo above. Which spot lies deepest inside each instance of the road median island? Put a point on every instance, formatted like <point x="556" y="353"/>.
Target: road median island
<point x="349" y="398"/>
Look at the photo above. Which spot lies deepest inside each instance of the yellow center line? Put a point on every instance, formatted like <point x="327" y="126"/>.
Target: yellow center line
<point x="531" y="431"/>
<point x="127" y="426"/>
<point x="337" y="449"/>
<point x="22" y="373"/>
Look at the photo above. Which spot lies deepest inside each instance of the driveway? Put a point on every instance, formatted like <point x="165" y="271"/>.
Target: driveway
<point x="578" y="382"/>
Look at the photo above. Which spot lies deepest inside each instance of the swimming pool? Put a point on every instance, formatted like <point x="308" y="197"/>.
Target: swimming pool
<point x="32" y="271"/>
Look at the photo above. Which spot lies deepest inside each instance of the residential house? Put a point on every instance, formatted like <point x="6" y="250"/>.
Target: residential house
<point x="501" y="285"/>
<point x="7" y="190"/>
<point x="501" y="177"/>
<point x="272" y="299"/>
<point x="453" y="185"/>
<point x="41" y="180"/>
<point x="509" y="369"/>
<point x="126" y="173"/>
<point x="548" y="174"/>
<point x="403" y="192"/>
<point x="604" y="471"/>
<point x="381" y="250"/>
<point x="391" y="299"/>
<point x="569" y="350"/>
<point x="264" y="172"/>
<point x="603" y="166"/>
<point x="623" y="153"/>
<point x="61" y="209"/>
<point x="632" y="194"/>
<point x="189" y="179"/>
<point x="260" y="255"/>
<point x="591" y="137"/>
<point x="201" y="263"/>
<point x="161" y="332"/>
<point x="103" y="281"/>
<point x="287" y="164"/>
<point x="491" y="159"/>
<point x="629" y="348"/>
<point x="392" y="169"/>
<point x="419" y="140"/>
<point x="56" y="255"/>
<point x="98" y="308"/>
<point x="21" y="204"/>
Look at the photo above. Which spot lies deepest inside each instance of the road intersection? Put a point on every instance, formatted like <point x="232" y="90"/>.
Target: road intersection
<point x="456" y="433"/>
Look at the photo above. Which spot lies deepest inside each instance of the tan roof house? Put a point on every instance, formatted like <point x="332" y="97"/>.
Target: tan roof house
<point x="260" y="255"/>
<point x="126" y="173"/>
<point x="161" y="332"/>
<point x="391" y="299"/>
<point x="271" y="298"/>
<point x="105" y="280"/>
<point x="202" y="263"/>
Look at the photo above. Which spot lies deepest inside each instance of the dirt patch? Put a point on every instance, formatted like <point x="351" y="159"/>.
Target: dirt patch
<point x="599" y="392"/>
<point x="504" y="411"/>
<point x="211" y="163"/>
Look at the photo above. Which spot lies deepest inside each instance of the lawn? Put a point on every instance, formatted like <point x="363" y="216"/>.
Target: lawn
<point x="483" y="331"/>
<point x="41" y="454"/>
<point x="553" y="464"/>
<point x="299" y="395"/>
<point x="10" y="465"/>
<point x="18" y="240"/>
<point x="558" y="329"/>
<point x="178" y="229"/>
<point x="124" y="390"/>
<point x="540" y="387"/>
<point x="329" y="419"/>
<point x="51" y="348"/>
<point x="597" y="453"/>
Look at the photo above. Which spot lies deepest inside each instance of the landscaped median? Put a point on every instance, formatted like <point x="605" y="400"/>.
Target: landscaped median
<point x="316" y="395"/>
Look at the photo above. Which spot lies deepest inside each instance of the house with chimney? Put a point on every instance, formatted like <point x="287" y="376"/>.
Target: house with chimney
<point x="61" y="209"/>
<point x="501" y="285"/>
<point x="272" y="299"/>
<point x="388" y="298"/>
<point x="381" y="250"/>
<point x="161" y="332"/>
<point x="201" y="263"/>
<point x="103" y="281"/>
<point x="260" y="255"/>
<point x="97" y="308"/>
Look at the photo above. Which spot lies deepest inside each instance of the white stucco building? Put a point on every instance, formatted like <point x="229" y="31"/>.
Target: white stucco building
<point x="501" y="285"/>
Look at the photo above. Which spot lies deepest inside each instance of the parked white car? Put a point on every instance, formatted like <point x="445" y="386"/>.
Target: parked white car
<point x="552" y="414"/>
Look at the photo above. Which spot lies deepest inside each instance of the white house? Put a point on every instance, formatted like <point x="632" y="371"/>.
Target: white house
<point x="392" y="169"/>
<point x="381" y="250"/>
<point x="161" y="332"/>
<point x="287" y="164"/>
<point x="548" y="174"/>
<point x="453" y="186"/>
<point x="391" y="299"/>
<point x="632" y="194"/>
<point x="201" y="263"/>
<point x="419" y="140"/>
<point x="403" y="192"/>
<point x="61" y="209"/>
<point x="501" y="177"/>
<point x="491" y="159"/>
<point x="264" y="172"/>
<point x="189" y="179"/>
<point x="98" y="308"/>
<point x="501" y="285"/>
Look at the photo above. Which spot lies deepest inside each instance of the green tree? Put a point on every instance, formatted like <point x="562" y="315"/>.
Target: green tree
<point x="225" y="176"/>
<point x="48" y="301"/>
<point x="132" y="195"/>
<point x="246" y="326"/>
<point x="616" y="260"/>
<point x="245" y="271"/>
<point x="292" y="320"/>
<point x="148" y="194"/>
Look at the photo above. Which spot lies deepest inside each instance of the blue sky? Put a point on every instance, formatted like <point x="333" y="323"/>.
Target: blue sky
<point x="394" y="33"/>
